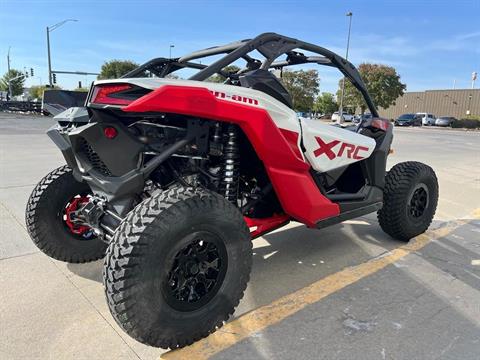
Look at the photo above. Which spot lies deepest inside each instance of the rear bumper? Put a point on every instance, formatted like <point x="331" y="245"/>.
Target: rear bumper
<point x="91" y="167"/>
<point x="113" y="168"/>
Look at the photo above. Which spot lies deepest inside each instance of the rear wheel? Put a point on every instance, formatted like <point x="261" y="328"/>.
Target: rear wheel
<point x="177" y="267"/>
<point x="410" y="200"/>
<point x="50" y="219"/>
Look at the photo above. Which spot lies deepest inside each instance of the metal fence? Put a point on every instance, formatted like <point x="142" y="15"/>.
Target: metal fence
<point x="455" y="103"/>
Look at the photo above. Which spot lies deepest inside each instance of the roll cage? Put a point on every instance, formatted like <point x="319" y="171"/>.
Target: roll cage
<point x="270" y="45"/>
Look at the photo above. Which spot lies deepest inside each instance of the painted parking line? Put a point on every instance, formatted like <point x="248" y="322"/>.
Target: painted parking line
<point x="265" y="316"/>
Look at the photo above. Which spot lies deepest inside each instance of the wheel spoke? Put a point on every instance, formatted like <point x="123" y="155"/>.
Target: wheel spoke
<point x="418" y="202"/>
<point x="195" y="271"/>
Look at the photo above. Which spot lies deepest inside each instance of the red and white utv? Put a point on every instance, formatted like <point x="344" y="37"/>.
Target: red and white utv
<point x="171" y="179"/>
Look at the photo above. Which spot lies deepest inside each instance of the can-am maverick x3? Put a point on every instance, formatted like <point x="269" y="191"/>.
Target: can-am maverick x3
<point x="171" y="179"/>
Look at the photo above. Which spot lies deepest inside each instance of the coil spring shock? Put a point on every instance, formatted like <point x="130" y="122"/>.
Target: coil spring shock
<point x="229" y="181"/>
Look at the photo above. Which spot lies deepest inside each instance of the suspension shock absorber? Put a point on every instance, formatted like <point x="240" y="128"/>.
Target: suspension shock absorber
<point x="229" y="180"/>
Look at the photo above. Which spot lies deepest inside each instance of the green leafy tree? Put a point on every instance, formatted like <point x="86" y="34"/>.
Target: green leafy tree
<point x="383" y="84"/>
<point x="325" y="104"/>
<point x="302" y="86"/>
<point x="217" y="78"/>
<point x="17" y="84"/>
<point x="116" y="68"/>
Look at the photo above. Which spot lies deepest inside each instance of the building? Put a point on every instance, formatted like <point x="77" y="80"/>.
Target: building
<point x="457" y="103"/>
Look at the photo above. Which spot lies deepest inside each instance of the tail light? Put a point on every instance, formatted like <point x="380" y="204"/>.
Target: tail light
<point x="117" y="94"/>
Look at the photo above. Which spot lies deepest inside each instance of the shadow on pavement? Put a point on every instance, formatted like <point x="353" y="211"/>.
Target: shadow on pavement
<point x="294" y="257"/>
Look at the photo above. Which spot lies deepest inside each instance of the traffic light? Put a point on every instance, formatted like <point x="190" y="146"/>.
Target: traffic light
<point x="54" y="78"/>
<point x="79" y="84"/>
<point x="31" y="72"/>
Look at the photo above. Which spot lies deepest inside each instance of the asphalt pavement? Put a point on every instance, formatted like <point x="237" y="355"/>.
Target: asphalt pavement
<point x="344" y="292"/>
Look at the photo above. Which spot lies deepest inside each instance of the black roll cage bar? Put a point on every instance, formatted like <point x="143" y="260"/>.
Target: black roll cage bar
<point x="271" y="46"/>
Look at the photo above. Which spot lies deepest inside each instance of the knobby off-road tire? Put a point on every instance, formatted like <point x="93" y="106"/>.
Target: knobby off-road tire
<point x="142" y="275"/>
<point x="410" y="200"/>
<point x="45" y="224"/>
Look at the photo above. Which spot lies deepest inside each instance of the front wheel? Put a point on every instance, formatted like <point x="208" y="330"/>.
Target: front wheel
<point x="409" y="200"/>
<point x="177" y="267"/>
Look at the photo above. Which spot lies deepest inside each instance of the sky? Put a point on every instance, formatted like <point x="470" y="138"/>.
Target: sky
<point x="431" y="43"/>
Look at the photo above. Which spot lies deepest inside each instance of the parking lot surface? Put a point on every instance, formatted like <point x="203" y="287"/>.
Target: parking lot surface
<point x="344" y="292"/>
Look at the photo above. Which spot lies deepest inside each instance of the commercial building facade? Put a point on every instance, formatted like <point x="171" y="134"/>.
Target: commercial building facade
<point x="457" y="103"/>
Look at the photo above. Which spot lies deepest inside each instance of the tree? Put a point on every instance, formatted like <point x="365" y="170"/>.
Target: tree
<point x="36" y="91"/>
<point x="325" y="104"/>
<point x="116" y="68"/>
<point x="302" y="86"/>
<point x="81" y="89"/>
<point x="383" y="84"/>
<point x="17" y="84"/>
<point x="217" y="78"/>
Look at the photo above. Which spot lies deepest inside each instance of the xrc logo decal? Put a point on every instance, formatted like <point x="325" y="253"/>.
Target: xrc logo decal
<point x="351" y="150"/>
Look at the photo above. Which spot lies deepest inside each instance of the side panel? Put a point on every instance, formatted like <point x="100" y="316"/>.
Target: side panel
<point x="288" y="172"/>
<point x="281" y="114"/>
<point x="284" y="117"/>
<point x="329" y="147"/>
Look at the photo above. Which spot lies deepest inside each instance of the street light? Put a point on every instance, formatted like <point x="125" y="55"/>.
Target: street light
<point x="8" y="72"/>
<point x="171" y="46"/>
<point x="340" y="110"/>
<point x="49" y="30"/>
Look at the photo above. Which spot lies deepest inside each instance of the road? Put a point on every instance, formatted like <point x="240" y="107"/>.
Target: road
<point x="348" y="291"/>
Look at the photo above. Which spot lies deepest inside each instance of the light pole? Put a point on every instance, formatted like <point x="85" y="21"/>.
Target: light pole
<point x="49" y="30"/>
<point x="340" y="110"/>
<point x="8" y="72"/>
<point x="171" y="46"/>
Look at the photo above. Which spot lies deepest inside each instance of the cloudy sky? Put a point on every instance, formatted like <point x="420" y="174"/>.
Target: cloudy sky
<point x="430" y="43"/>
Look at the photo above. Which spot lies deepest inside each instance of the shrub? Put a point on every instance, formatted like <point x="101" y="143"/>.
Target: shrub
<point x="469" y="122"/>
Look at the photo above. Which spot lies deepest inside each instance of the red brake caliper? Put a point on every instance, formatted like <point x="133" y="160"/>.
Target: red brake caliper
<point x="69" y="210"/>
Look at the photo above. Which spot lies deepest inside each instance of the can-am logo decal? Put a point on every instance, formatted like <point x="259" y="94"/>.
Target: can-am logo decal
<point x="351" y="151"/>
<point x="239" y="98"/>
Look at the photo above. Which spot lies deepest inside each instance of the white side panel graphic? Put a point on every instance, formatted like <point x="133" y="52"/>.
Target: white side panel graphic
<point x="329" y="147"/>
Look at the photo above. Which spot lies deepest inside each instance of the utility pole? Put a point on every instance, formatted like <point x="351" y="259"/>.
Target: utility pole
<point x="171" y="46"/>
<point x="8" y="72"/>
<point x="49" y="60"/>
<point x="49" y="30"/>
<point x="340" y="110"/>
